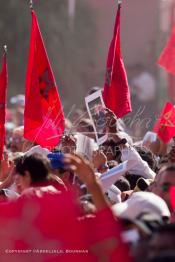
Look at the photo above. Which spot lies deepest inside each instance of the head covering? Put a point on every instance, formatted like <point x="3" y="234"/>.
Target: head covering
<point x="142" y="184"/>
<point x="37" y="150"/>
<point x="114" y="194"/>
<point x="140" y="203"/>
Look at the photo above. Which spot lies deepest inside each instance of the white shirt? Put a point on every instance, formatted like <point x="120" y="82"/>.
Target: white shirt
<point x="140" y="167"/>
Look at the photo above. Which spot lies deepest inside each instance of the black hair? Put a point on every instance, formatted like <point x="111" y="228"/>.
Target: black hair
<point x="2" y="192"/>
<point x="115" y="149"/>
<point x="147" y="156"/>
<point x="165" y="256"/>
<point x="132" y="178"/>
<point x="37" y="165"/>
<point x="93" y="90"/>
<point x="86" y="123"/>
<point x="167" y="228"/>
<point x="123" y="184"/>
<point x="112" y="164"/>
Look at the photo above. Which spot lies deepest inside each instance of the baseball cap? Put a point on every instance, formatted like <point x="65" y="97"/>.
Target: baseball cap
<point x="114" y="194"/>
<point x="142" y="184"/>
<point x="139" y="203"/>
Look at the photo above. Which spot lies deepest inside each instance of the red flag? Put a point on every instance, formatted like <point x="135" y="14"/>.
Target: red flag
<point x="116" y="90"/>
<point x="47" y="226"/>
<point x="43" y="116"/>
<point x="165" y="126"/>
<point x="172" y="194"/>
<point x="167" y="57"/>
<point x="3" y="93"/>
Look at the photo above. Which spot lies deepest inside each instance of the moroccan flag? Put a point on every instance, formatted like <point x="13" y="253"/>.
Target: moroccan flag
<point x="47" y="226"/>
<point x="43" y="116"/>
<point x="165" y="126"/>
<point x="3" y="93"/>
<point x="116" y="93"/>
<point x="167" y="57"/>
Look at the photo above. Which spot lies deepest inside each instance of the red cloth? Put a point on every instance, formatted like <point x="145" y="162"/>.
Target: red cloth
<point x="167" y="57"/>
<point x="43" y="116"/>
<point x="104" y="239"/>
<point x="172" y="194"/>
<point x="116" y="93"/>
<point x="165" y="126"/>
<point x="48" y="222"/>
<point x="3" y="94"/>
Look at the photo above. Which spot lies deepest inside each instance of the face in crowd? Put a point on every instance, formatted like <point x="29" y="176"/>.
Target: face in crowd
<point x="163" y="183"/>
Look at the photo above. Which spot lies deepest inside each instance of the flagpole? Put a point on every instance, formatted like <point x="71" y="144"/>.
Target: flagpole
<point x="5" y="49"/>
<point x="71" y="12"/>
<point x="119" y="3"/>
<point x="31" y="4"/>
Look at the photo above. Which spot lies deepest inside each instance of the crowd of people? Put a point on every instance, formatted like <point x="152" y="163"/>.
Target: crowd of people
<point x="114" y="203"/>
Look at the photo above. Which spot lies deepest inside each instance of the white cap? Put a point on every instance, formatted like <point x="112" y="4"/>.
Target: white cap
<point x="114" y="194"/>
<point x="37" y="150"/>
<point x="139" y="203"/>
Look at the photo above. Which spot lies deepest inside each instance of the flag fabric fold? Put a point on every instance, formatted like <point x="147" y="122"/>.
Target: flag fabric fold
<point x="43" y="116"/>
<point x="116" y="93"/>
<point x="167" y="57"/>
<point x="3" y="94"/>
<point x="165" y="126"/>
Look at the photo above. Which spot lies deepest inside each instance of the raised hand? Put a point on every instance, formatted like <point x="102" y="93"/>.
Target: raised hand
<point x="86" y="174"/>
<point x="111" y="122"/>
<point x="99" y="161"/>
<point x="82" y="168"/>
